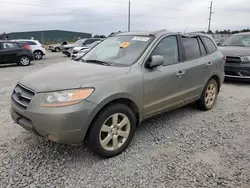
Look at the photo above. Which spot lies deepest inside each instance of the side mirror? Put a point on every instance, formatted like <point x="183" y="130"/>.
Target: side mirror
<point x="155" y="61"/>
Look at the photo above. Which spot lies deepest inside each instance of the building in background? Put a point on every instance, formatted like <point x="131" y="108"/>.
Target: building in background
<point x="49" y="36"/>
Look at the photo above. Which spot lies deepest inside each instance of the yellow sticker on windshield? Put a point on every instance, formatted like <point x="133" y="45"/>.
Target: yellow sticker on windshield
<point x="125" y="44"/>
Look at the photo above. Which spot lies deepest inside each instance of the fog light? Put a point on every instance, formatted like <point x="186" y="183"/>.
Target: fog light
<point x="53" y="138"/>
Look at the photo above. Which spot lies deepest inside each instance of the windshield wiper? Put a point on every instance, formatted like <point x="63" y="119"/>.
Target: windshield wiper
<point x="97" y="62"/>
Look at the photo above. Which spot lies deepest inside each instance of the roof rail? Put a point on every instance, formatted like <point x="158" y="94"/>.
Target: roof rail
<point x="158" y="31"/>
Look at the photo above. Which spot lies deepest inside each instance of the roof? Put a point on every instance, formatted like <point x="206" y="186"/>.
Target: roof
<point x="6" y="41"/>
<point x="24" y="40"/>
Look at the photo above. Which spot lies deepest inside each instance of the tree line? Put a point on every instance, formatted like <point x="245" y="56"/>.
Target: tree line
<point x="229" y="31"/>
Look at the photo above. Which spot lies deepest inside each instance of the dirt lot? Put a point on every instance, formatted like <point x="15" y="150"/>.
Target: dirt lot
<point x="182" y="148"/>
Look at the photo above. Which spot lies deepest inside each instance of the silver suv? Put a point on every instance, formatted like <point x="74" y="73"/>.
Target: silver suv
<point x="127" y="78"/>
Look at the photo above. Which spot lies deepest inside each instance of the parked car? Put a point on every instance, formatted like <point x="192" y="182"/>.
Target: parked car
<point x="57" y="47"/>
<point x="68" y="49"/>
<point x="15" y="52"/>
<point x="78" y="52"/>
<point x="36" y="47"/>
<point x="236" y="48"/>
<point x="125" y="79"/>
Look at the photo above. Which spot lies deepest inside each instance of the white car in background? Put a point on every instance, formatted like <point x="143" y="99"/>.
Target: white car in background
<point x="78" y="52"/>
<point x="36" y="47"/>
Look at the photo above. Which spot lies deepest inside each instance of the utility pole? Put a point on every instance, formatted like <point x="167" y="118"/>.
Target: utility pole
<point x="129" y="16"/>
<point x="210" y="15"/>
<point x="42" y="38"/>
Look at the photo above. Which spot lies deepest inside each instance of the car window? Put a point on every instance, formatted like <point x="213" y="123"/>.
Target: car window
<point x="168" y="48"/>
<point x="30" y="43"/>
<point x="202" y="47"/>
<point x="64" y="43"/>
<point x="88" y="42"/>
<point x="191" y="47"/>
<point x="7" y="45"/>
<point x="210" y="45"/>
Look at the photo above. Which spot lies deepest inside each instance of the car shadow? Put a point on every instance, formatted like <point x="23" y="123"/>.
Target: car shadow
<point x="8" y="65"/>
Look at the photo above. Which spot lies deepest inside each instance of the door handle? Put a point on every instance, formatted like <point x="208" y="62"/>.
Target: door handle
<point x="180" y="73"/>
<point x="209" y="64"/>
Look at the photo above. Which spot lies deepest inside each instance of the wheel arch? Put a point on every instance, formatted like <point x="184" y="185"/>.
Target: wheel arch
<point x="217" y="79"/>
<point x="128" y="101"/>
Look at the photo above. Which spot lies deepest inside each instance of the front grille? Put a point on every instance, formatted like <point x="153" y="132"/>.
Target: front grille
<point x="22" y="96"/>
<point x="232" y="59"/>
<point x="75" y="52"/>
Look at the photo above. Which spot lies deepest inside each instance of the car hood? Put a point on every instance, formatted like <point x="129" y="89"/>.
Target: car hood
<point x="70" y="75"/>
<point x="70" y="45"/>
<point x="235" y="50"/>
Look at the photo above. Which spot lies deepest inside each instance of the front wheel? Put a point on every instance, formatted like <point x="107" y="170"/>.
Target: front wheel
<point x="209" y="95"/>
<point x="24" y="61"/>
<point x="57" y="49"/>
<point x="112" y="131"/>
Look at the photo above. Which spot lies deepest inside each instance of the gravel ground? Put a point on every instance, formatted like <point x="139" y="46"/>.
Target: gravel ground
<point x="182" y="148"/>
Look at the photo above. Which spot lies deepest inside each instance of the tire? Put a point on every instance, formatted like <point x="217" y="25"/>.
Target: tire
<point x="38" y="54"/>
<point x="209" y="95"/>
<point x="57" y="49"/>
<point x="98" y="133"/>
<point x="24" y="61"/>
<point x="68" y="55"/>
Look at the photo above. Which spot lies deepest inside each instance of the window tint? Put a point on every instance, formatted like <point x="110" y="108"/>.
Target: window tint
<point x="168" y="48"/>
<point x="191" y="47"/>
<point x="202" y="47"/>
<point x="7" y="45"/>
<point x="30" y="43"/>
<point x="210" y="45"/>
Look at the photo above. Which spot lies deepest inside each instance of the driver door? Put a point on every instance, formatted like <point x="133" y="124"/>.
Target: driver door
<point x="162" y="85"/>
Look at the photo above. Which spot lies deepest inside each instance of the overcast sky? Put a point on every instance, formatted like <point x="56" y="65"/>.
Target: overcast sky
<point x="106" y="16"/>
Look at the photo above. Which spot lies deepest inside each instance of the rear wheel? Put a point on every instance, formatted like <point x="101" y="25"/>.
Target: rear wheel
<point x="209" y="95"/>
<point x="112" y="131"/>
<point x="38" y="54"/>
<point x="57" y="49"/>
<point x="24" y="61"/>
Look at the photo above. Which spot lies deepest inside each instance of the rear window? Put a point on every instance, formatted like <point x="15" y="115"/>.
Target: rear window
<point x="210" y="45"/>
<point x="191" y="47"/>
<point x="30" y="43"/>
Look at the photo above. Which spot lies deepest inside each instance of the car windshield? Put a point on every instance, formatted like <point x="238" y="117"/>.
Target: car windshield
<point x="93" y="44"/>
<point x="119" y="50"/>
<point x="80" y="42"/>
<point x="237" y="40"/>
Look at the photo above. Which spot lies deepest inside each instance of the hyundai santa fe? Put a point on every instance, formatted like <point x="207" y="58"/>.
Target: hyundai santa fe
<point x="101" y="99"/>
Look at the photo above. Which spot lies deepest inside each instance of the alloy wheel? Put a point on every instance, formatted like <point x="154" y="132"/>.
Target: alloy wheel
<point x="24" y="61"/>
<point x="114" y="131"/>
<point x="210" y="96"/>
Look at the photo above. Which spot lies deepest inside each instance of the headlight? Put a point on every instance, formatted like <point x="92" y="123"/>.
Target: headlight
<point x="245" y="58"/>
<point x="66" y="98"/>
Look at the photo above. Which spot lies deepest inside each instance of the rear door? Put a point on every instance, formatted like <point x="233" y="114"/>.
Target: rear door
<point x="162" y="85"/>
<point x="9" y="52"/>
<point x="194" y="68"/>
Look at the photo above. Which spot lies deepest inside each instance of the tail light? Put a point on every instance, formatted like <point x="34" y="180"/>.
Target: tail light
<point x="42" y="46"/>
<point x="27" y="47"/>
<point x="224" y="58"/>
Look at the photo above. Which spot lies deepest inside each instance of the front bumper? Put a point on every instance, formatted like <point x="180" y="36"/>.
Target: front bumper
<point x="237" y="71"/>
<point x="62" y="124"/>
